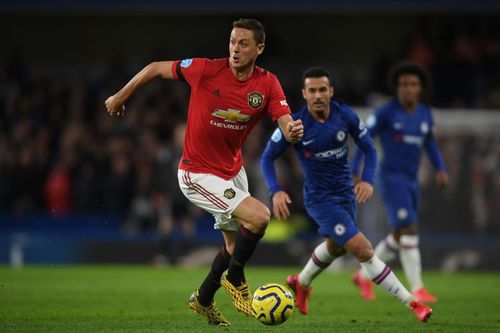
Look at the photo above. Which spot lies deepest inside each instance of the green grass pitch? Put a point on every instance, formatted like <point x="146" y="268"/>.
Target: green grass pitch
<point x="148" y="299"/>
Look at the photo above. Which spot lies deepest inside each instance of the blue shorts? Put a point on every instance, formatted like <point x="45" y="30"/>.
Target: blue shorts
<point x="401" y="200"/>
<point x="335" y="219"/>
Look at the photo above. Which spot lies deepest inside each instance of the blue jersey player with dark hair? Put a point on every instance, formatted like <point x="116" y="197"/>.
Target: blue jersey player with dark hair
<point x="329" y="190"/>
<point x="405" y="128"/>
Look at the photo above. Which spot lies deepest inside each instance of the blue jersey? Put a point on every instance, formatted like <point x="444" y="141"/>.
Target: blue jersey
<point x="323" y="154"/>
<point x="403" y="135"/>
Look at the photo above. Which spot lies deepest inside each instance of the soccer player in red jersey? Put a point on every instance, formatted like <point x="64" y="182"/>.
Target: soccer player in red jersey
<point x="228" y="97"/>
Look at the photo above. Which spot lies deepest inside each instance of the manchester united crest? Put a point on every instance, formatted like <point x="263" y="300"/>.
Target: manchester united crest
<point x="229" y="193"/>
<point x="255" y="100"/>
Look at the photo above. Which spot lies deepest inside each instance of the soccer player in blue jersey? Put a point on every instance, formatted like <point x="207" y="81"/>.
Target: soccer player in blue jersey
<point x="405" y="128"/>
<point x="329" y="190"/>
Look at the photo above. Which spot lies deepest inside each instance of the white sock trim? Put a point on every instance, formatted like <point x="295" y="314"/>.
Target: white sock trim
<point x="382" y="275"/>
<point x="406" y="241"/>
<point x="409" y="254"/>
<point x="321" y="252"/>
<point x="373" y="267"/>
<point x="320" y="259"/>
<point x="391" y="242"/>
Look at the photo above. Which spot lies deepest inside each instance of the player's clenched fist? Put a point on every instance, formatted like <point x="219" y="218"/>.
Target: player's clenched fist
<point x="295" y="131"/>
<point x="114" y="107"/>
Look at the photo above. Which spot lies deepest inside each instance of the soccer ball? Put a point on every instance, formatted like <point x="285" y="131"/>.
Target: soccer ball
<point x="272" y="303"/>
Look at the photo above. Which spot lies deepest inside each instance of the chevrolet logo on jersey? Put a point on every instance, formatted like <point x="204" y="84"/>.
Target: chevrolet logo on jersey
<point x="231" y="115"/>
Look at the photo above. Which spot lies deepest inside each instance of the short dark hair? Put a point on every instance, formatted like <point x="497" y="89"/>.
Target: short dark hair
<point x="316" y="72"/>
<point x="408" y="67"/>
<point x="259" y="33"/>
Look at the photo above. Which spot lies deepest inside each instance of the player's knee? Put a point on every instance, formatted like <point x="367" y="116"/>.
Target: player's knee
<point x="253" y="214"/>
<point x="261" y="218"/>
<point x="363" y="251"/>
<point x="406" y="230"/>
<point x="334" y="249"/>
<point x="338" y="252"/>
<point x="364" y="254"/>
<point x="229" y="245"/>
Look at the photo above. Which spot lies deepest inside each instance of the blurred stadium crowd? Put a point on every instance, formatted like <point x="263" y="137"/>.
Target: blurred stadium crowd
<point x="60" y="153"/>
<point x="465" y="68"/>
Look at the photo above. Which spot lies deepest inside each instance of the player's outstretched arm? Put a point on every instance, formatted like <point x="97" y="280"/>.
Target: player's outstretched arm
<point x="115" y="104"/>
<point x="292" y="129"/>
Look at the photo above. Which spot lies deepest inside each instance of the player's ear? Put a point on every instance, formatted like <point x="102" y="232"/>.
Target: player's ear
<point x="260" y="49"/>
<point x="304" y="93"/>
<point x="332" y="91"/>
